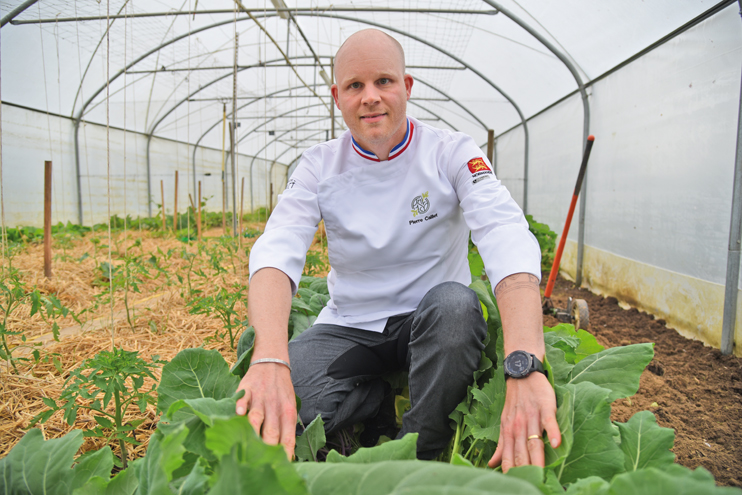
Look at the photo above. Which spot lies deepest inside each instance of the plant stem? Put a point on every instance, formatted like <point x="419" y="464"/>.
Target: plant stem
<point x="457" y="439"/>
<point x="118" y="419"/>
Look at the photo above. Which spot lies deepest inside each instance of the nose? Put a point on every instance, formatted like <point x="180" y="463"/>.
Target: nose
<point x="370" y="95"/>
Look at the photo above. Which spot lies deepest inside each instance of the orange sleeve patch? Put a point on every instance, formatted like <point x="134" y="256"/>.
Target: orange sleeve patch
<point x="477" y="165"/>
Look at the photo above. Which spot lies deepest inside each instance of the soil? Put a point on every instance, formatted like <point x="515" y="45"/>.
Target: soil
<point x="689" y="386"/>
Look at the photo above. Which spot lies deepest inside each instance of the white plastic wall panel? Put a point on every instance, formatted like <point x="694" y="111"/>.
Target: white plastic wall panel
<point x="23" y="171"/>
<point x="660" y="186"/>
<point x="555" y="157"/>
<point x="659" y="180"/>
<point x="509" y="168"/>
<point x="25" y="146"/>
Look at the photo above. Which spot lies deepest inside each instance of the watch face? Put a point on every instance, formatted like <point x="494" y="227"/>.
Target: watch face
<point x="518" y="364"/>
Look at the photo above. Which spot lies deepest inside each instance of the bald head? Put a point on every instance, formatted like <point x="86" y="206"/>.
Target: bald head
<point x="365" y="39"/>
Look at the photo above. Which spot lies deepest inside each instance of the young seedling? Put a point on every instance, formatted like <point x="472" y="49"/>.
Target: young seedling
<point x="222" y="305"/>
<point x="111" y="378"/>
<point x="13" y="295"/>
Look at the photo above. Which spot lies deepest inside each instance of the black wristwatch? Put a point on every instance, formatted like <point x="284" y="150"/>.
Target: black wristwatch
<point x="520" y="364"/>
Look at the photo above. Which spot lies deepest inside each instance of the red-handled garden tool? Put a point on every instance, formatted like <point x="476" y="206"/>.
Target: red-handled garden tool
<point x="576" y="312"/>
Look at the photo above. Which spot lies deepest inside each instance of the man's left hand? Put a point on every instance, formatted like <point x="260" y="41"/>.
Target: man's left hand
<point x="530" y="409"/>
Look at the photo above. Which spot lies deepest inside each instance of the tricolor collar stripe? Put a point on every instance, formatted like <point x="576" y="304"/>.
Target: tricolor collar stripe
<point x="365" y="154"/>
<point x="405" y="143"/>
<point x="396" y="151"/>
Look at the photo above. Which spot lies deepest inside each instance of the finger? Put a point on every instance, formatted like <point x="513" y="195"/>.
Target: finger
<point x="256" y="417"/>
<point x="521" y="456"/>
<point x="288" y="430"/>
<point x="243" y="404"/>
<point x="496" y="457"/>
<point x="534" y="443"/>
<point x="271" y="428"/>
<point x="507" y="453"/>
<point x="552" y="430"/>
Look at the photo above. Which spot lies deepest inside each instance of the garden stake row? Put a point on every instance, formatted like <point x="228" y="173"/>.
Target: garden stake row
<point x="577" y="311"/>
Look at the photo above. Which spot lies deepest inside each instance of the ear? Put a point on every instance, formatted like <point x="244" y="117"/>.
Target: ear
<point x="334" y="91"/>
<point x="408" y="81"/>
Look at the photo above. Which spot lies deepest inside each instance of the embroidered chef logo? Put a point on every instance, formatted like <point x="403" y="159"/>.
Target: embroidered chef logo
<point x="477" y="165"/>
<point x="291" y="184"/>
<point x="420" y="204"/>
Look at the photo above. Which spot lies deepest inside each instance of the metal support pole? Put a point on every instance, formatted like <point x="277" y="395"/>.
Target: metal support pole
<point x="77" y="172"/>
<point x="490" y="145"/>
<point x="233" y="136"/>
<point x="735" y="240"/>
<point x="48" y="219"/>
<point x="149" y="179"/>
<point x="16" y="12"/>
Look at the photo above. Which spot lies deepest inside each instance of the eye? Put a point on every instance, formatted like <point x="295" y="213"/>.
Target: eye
<point x="355" y="85"/>
<point x="384" y="80"/>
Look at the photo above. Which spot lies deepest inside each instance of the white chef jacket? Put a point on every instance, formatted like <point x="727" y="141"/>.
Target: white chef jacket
<point x="398" y="227"/>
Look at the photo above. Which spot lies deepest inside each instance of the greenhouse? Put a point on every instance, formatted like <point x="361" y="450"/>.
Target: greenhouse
<point x="144" y="146"/>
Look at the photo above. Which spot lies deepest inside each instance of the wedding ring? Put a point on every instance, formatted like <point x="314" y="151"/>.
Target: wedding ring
<point x="534" y="437"/>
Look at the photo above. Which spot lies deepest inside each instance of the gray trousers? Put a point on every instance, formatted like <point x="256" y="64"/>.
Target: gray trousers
<point x="337" y="370"/>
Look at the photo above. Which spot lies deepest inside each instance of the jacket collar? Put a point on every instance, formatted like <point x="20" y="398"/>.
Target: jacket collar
<point x="394" y="153"/>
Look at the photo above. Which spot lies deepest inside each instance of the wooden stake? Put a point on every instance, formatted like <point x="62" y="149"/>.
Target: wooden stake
<point x="190" y="198"/>
<point x="162" y="193"/>
<point x="198" y="219"/>
<point x="270" y="208"/>
<point x="175" y="210"/>
<point x="48" y="219"/>
<point x="491" y="146"/>
<point x="242" y="201"/>
<point x="224" y="183"/>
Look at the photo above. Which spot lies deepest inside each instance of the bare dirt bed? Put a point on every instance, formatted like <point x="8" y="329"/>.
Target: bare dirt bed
<point x="690" y="387"/>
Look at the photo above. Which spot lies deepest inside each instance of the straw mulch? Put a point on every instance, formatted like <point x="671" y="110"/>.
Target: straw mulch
<point x="162" y="324"/>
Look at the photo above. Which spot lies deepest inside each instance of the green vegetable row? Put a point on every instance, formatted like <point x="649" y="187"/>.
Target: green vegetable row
<point x="201" y="446"/>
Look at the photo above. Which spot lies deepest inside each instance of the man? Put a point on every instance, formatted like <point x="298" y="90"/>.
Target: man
<point x="398" y="199"/>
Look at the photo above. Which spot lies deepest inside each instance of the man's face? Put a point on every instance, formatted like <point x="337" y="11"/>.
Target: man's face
<point x="372" y="91"/>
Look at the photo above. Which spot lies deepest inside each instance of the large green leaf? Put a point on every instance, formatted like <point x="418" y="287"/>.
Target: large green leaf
<point x="485" y="297"/>
<point x="206" y="409"/>
<point x="196" y="483"/>
<point x="245" y="347"/>
<point x="560" y="369"/>
<point x="319" y="285"/>
<point x="164" y="456"/>
<point x="486" y="408"/>
<point x="408" y="477"/>
<point x="594" y="451"/>
<point x="592" y="485"/>
<point x="677" y="480"/>
<point x="301" y="322"/>
<point x="99" y="463"/>
<point x="35" y="465"/>
<point x="555" y="457"/>
<point x="247" y="465"/>
<point x="196" y="415"/>
<point x="576" y="344"/>
<point x="124" y="483"/>
<point x="404" y="449"/>
<point x="311" y="440"/>
<point x="645" y="444"/>
<point x="195" y="374"/>
<point x="317" y="302"/>
<point x="617" y="369"/>
<point x="476" y="265"/>
<point x="234" y="477"/>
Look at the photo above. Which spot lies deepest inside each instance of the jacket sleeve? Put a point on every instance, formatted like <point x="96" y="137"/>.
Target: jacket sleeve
<point x="498" y="227"/>
<point x="291" y="227"/>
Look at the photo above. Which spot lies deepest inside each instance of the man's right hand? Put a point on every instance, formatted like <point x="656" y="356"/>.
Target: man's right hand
<point x="270" y="404"/>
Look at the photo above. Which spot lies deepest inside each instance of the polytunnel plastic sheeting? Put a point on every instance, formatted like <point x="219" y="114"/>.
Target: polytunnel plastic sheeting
<point x="595" y="37"/>
<point x="660" y="175"/>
